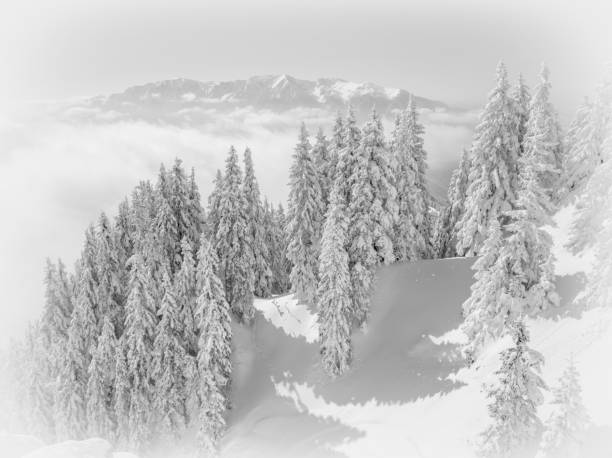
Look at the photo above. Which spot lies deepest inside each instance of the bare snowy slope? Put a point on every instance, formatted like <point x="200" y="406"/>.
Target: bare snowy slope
<point x="285" y="406"/>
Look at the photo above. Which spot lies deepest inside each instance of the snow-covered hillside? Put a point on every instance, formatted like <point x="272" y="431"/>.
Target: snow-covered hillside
<point x="407" y="393"/>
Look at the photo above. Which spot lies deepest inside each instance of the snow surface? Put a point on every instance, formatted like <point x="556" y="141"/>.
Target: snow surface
<point x="286" y="313"/>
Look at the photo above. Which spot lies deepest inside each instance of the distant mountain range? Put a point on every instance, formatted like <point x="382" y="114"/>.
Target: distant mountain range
<point x="181" y="99"/>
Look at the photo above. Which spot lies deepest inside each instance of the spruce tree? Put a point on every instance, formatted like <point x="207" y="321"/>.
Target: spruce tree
<point x="321" y="157"/>
<point x="543" y="138"/>
<point x="109" y="288"/>
<point x="514" y="400"/>
<point x="566" y="426"/>
<point x="168" y="365"/>
<point x="255" y="229"/>
<point x="282" y="265"/>
<point x="185" y="281"/>
<point x="165" y="224"/>
<point x="334" y="294"/>
<point x="101" y="383"/>
<point x="230" y="242"/>
<point x="336" y="145"/>
<point x="493" y="177"/>
<point x="522" y="100"/>
<point x="195" y="212"/>
<point x="214" y="364"/>
<point x="305" y="215"/>
<point x="180" y="203"/>
<point x="586" y="138"/>
<point x="139" y="335"/>
<point x="214" y="199"/>
<point x="372" y="213"/>
<point x="446" y="232"/>
<point x="414" y="134"/>
<point x="481" y="320"/>
<point x="409" y="243"/>
<point x="121" y="399"/>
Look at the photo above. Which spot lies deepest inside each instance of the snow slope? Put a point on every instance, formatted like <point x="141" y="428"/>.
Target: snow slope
<point x="407" y="394"/>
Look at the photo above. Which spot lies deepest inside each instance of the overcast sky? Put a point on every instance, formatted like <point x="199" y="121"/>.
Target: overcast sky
<point x="440" y="49"/>
<point x="56" y="178"/>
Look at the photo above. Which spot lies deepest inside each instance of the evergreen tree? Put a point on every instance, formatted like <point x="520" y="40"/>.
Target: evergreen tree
<point x="280" y="243"/>
<point x="231" y="239"/>
<point x="168" y="365"/>
<point x="372" y="212"/>
<point x="100" y="386"/>
<point x="543" y="138"/>
<point x="514" y="401"/>
<point x="38" y="395"/>
<point x="109" y="289"/>
<point x="139" y="335"/>
<point x="409" y="242"/>
<point x="180" y="203"/>
<point x="195" y="212"/>
<point x="522" y="100"/>
<point x="586" y="137"/>
<point x="185" y="281"/>
<point x="165" y="224"/>
<point x="305" y="217"/>
<point x="567" y="423"/>
<point x="493" y="172"/>
<point x="592" y="229"/>
<point x="214" y="364"/>
<point x="336" y="145"/>
<point x="255" y="229"/>
<point x="121" y="394"/>
<point x="446" y="232"/>
<point x="414" y="134"/>
<point x="481" y="320"/>
<point x="321" y="157"/>
<point x="347" y="150"/>
<point x="334" y="294"/>
<point x="214" y="199"/>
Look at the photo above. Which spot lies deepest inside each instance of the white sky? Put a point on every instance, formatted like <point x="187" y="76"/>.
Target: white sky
<point x="55" y="179"/>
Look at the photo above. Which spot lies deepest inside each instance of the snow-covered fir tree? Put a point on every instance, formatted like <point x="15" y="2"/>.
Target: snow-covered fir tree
<point x="415" y="149"/>
<point x="481" y="321"/>
<point x="212" y="220"/>
<point x="215" y="347"/>
<point x="181" y="205"/>
<point x="586" y="137"/>
<point x="334" y="294"/>
<point x="515" y="427"/>
<point x="446" y="231"/>
<point x="522" y="99"/>
<point x="592" y="229"/>
<point x="195" y="212"/>
<point x="567" y="424"/>
<point x="168" y="365"/>
<point x="347" y="148"/>
<point x="101" y="383"/>
<point x="493" y="172"/>
<point x="372" y="215"/>
<point x="165" y="225"/>
<point x="543" y="138"/>
<point x="121" y="394"/>
<point x="336" y="145"/>
<point x="185" y="282"/>
<point x="321" y="157"/>
<point x="279" y="243"/>
<point x="39" y="403"/>
<point x="230" y="242"/>
<point x="304" y="220"/>
<point x="109" y="289"/>
<point x="409" y="242"/>
<point x="255" y="230"/>
<point x="139" y="335"/>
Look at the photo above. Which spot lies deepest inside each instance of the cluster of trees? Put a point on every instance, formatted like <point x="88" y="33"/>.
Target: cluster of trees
<point x="502" y="196"/>
<point x="357" y="200"/>
<point x="135" y="345"/>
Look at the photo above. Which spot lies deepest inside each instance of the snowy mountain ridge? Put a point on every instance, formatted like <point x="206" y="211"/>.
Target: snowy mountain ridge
<point x="277" y="93"/>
